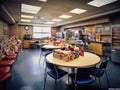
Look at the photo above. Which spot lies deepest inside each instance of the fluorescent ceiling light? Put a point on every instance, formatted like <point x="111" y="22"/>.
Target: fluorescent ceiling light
<point x="43" y="0"/>
<point x="27" y="16"/>
<point x="65" y="16"/>
<point x="42" y="18"/>
<point x="49" y="22"/>
<point x="100" y="3"/>
<point x="30" y="9"/>
<point x="25" y="20"/>
<point x="56" y="20"/>
<point x="78" y="11"/>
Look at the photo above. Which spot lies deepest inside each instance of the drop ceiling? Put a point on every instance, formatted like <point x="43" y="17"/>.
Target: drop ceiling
<point x="52" y="9"/>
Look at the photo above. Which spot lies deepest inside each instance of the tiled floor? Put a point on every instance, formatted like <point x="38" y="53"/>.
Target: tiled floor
<point x="28" y="74"/>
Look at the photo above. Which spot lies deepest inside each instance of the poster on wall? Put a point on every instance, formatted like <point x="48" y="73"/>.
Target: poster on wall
<point x="5" y="29"/>
<point x="98" y="29"/>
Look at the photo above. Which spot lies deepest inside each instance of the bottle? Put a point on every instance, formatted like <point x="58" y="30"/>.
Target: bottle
<point x="82" y="51"/>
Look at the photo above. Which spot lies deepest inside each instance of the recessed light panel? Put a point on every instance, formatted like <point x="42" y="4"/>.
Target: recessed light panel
<point x="43" y="0"/>
<point x="27" y="16"/>
<point x="30" y="9"/>
<point x="25" y="20"/>
<point x="65" y="16"/>
<point x="56" y="20"/>
<point x="78" y="11"/>
<point x="100" y="3"/>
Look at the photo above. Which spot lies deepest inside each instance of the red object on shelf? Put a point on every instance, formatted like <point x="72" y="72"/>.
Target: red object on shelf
<point x="4" y="69"/>
<point x="82" y="51"/>
<point x="4" y="76"/>
<point x="13" y="56"/>
<point x="6" y="62"/>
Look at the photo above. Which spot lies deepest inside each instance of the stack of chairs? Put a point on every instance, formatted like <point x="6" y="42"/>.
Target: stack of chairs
<point x="7" y="59"/>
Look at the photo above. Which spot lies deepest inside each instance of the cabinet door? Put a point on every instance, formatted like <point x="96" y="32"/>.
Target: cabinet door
<point x="96" y="47"/>
<point x="26" y="43"/>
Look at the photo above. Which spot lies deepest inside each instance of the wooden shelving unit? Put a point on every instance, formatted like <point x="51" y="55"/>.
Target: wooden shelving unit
<point x="115" y="54"/>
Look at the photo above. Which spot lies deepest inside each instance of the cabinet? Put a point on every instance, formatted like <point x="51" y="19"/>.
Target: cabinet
<point x="116" y="37"/>
<point x="26" y="43"/>
<point x="115" y="45"/>
<point x="96" y="47"/>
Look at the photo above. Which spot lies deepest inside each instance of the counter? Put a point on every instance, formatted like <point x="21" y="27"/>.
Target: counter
<point x="98" y="47"/>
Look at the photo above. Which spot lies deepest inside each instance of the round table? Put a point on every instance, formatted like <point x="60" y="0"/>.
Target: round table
<point x="88" y="60"/>
<point x="52" y="47"/>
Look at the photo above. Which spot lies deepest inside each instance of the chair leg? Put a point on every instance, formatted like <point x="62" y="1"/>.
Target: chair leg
<point x="75" y="86"/>
<point x="99" y="83"/>
<point x="45" y="78"/>
<point x="107" y="79"/>
<point x="43" y="60"/>
<point x="56" y="85"/>
<point x="69" y="81"/>
<point x="21" y="49"/>
<point x="95" y="81"/>
<point x="3" y="85"/>
<point x="40" y="57"/>
<point x="55" y="82"/>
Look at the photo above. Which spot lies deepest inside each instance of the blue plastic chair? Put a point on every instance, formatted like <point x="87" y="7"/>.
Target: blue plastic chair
<point x="82" y="76"/>
<point x="107" y="51"/>
<point x="99" y="71"/>
<point x="54" y="72"/>
<point x="44" y="53"/>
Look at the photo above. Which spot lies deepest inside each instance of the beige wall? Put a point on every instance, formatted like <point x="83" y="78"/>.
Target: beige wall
<point x="22" y="31"/>
<point x="4" y="29"/>
<point x="14" y="29"/>
<point x="90" y="22"/>
<point x="105" y="21"/>
<point x="1" y="30"/>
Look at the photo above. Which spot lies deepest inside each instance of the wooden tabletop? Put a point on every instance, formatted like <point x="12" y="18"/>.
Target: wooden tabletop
<point x="52" y="46"/>
<point x="88" y="60"/>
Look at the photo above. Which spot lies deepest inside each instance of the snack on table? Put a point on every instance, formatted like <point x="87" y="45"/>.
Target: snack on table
<point x="65" y="55"/>
<point x="56" y="53"/>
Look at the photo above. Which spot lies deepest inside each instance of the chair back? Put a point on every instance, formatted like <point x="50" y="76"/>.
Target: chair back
<point x="107" y="49"/>
<point x="53" y="68"/>
<point x="50" y="66"/>
<point x="84" y="72"/>
<point x="48" y="53"/>
<point x="104" y="63"/>
<point x="43" y="49"/>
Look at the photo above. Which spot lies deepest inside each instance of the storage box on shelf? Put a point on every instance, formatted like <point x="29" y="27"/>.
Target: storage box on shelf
<point x="10" y="47"/>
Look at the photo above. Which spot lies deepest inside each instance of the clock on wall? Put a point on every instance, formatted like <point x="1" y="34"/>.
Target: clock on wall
<point x="26" y="27"/>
